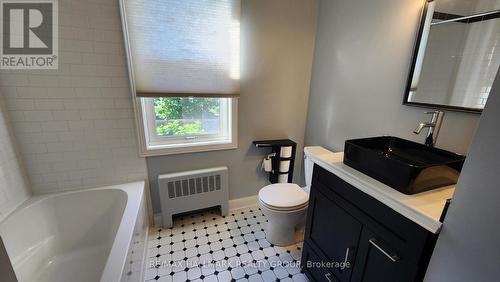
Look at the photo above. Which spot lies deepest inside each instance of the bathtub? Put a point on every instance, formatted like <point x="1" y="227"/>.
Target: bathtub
<point x="88" y="235"/>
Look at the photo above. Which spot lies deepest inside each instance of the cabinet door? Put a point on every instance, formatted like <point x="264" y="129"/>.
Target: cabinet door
<point x="314" y="270"/>
<point x="378" y="262"/>
<point x="333" y="233"/>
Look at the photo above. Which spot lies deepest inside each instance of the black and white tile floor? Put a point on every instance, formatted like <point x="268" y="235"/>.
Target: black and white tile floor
<point x="210" y="247"/>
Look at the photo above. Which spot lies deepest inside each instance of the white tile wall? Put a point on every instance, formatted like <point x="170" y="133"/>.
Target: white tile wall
<point x="478" y="65"/>
<point x="74" y="125"/>
<point x="461" y="60"/>
<point x="13" y="185"/>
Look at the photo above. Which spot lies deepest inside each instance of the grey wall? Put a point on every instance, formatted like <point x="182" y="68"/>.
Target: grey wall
<point x="361" y="61"/>
<point x="8" y="274"/>
<point x="277" y="48"/>
<point x="468" y="247"/>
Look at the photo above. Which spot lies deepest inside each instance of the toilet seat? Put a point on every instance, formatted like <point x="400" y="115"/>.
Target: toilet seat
<point x="283" y="197"/>
<point x="284" y="209"/>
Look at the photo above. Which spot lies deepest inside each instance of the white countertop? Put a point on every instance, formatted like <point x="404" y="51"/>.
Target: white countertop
<point x="423" y="208"/>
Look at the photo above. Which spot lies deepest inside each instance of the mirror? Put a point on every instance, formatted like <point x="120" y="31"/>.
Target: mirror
<point x="456" y="56"/>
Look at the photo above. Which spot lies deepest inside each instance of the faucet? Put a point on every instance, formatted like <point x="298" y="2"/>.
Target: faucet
<point x="434" y="125"/>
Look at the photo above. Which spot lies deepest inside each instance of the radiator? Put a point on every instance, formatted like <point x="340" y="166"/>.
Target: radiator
<point x="193" y="190"/>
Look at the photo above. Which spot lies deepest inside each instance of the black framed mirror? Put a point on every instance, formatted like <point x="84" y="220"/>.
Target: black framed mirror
<point x="456" y="55"/>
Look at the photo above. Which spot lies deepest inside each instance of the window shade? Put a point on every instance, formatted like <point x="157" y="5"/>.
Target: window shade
<point x="184" y="48"/>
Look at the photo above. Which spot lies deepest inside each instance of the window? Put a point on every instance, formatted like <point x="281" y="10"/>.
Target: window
<point x="184" y="62"/>
<point x="180" y="122"/>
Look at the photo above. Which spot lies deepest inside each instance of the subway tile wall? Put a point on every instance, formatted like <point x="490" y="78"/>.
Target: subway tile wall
<point x="74" y="125"/>
<point x="14" y="188"/>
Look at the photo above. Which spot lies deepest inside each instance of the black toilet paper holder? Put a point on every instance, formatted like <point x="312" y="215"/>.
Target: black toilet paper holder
<point x="275" y="146"/>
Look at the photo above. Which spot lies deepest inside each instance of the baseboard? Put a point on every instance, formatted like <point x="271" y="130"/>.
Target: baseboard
<point x="245" y="202"/>
<point x="234" y="204"/>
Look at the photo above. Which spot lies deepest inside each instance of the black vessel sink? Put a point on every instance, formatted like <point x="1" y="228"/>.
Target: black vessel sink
<point x="406" y="166"/>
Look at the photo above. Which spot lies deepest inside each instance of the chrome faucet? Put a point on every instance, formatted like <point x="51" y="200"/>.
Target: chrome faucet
<point x="434" y="126"/>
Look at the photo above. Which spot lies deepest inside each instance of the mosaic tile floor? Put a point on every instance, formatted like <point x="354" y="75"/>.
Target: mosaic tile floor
<point x="210" y="247"/>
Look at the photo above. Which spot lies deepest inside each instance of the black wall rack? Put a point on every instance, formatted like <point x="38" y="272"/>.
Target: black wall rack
<point x="275" y="146"/>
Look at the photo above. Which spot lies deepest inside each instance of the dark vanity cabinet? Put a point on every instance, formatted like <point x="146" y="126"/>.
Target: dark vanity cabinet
<point x="351" y="236"/>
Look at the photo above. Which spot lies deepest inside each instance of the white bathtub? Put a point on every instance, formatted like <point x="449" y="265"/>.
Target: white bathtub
<point x="80" y="236"/>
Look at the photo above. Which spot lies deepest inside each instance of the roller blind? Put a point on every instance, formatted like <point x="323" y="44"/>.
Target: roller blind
<point x="184" y="48"/>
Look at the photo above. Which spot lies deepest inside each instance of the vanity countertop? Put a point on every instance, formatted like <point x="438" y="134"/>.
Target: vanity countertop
<point x="423" y="208"/>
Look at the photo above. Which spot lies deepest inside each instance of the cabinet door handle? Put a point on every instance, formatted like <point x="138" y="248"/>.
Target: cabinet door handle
<point x="393" y="258"/>
<point x="328" y="277"/>
<point x="346" y="255"/>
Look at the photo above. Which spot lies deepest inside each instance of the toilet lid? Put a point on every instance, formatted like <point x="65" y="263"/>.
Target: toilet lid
<point x="283" y="195"/>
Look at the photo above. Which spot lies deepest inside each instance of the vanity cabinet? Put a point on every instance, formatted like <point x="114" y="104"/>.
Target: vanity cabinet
<point x="351" y="236"/>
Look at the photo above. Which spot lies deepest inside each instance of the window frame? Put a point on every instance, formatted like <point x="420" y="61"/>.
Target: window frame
<point x="187" y="144"/>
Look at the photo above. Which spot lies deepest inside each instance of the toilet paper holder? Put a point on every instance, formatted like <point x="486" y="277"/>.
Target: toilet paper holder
<point x="284" y="151"/>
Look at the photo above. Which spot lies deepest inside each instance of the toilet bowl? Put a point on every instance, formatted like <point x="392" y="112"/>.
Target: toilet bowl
<point x="285" y="207"/>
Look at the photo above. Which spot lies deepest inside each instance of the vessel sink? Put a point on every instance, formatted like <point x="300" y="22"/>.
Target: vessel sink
<point x="406" y="166"/>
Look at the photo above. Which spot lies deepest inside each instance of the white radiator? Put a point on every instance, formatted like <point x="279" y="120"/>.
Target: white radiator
<point x="193" y="190"/>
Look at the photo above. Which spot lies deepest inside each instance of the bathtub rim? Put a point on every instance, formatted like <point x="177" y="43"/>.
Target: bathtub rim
<point x="35" y="198"/>
<point x="116" y="261"/>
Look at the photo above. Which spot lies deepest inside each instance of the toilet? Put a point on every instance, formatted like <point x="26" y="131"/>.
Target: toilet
<point x="285" y="206"/>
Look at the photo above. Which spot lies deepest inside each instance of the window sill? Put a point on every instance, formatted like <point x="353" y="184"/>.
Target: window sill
<point x="162" y="150"/>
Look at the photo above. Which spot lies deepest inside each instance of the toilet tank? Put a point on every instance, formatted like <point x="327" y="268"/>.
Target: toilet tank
<point x="308" y="162"/>
<point x="308" y="169"/>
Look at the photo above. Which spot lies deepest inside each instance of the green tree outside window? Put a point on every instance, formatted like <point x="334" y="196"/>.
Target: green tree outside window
<point x="182" y="116"/>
